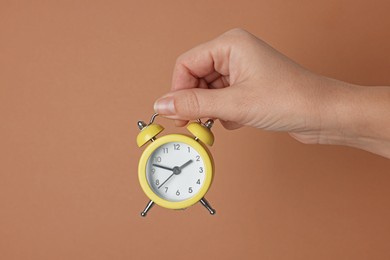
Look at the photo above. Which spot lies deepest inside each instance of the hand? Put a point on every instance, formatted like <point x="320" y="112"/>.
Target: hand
<point x="241" y="80"/>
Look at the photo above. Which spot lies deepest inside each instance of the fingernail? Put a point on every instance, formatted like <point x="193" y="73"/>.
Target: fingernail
<point x="164" y="106"/>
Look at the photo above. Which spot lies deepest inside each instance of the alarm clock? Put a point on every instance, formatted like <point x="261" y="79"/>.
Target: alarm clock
<point x="175" y="171"/>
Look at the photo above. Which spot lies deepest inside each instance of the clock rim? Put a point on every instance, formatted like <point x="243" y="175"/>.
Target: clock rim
<point x="208" y="164"/>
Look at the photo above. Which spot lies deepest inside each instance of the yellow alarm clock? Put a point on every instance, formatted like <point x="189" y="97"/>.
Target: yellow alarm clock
<point x="176" y="170"/>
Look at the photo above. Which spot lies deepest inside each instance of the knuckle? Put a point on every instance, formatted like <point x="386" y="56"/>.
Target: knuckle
<point x="179" y="60"/>
<point x="238" y="32"/>
<point x="238" y="37"/>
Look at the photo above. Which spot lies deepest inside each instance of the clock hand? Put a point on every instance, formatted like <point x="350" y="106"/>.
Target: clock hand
<point x="186" y="164"/>
<point x="163" y="167"/>
<point x="176" y="171"/>
<point x="166" y="180"/>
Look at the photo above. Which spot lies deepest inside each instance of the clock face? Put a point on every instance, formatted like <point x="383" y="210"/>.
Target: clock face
<point x="175" y="171"/>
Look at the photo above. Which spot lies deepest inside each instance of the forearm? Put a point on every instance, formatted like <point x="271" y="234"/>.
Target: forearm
<point x="357" y="116"/>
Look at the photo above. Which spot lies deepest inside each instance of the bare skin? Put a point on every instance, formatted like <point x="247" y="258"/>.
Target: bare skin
<point x="242" y="81"/>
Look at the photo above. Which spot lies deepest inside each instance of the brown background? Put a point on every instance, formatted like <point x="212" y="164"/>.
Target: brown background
<point x="76" y="77"/>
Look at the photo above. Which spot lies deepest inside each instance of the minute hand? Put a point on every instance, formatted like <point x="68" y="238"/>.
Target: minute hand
<point x="163" y="167"/>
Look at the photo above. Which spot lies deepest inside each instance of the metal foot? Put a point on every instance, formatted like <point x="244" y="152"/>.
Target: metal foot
<point x="147" y="208"/>
<point x="206" y="204"/>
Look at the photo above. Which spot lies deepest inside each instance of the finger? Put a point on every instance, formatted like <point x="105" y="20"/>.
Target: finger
<point x="197" y="103"/>
<point x="181" y="123"/>
<point x="204" y="61"/>
<point x="230" y="125"/>
<point x="212" y="77"/>
<point x="220" y="82"/>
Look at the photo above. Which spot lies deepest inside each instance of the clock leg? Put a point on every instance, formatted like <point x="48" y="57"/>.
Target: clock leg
<point x="206" y="204"/>
<point x="147" y="208"/>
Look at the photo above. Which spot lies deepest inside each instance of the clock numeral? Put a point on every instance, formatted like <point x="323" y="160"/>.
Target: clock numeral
<point x="198" y="182"/>
<point x="200" y="169"/>
<point x="197" y="158"/>
<point x="190" y="190"/>
<point x="157" y="182"/>
<point x="166" y="189"/>
<point x="178" y="193"/>
<point x="157" y="159"/>
<point x="153" y="170"/>
<point x="189" y="149"/>
<point x="165" y="150"/>
<point x="176" y="146"/>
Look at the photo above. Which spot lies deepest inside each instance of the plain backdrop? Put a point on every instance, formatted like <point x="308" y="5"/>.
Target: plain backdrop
<point x="76" y="76"/>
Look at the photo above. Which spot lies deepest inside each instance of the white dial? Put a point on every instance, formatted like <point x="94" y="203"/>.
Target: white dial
<point x="175" y="171"/>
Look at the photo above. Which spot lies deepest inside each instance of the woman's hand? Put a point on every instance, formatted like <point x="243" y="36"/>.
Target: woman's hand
<point x="241" y="80"/>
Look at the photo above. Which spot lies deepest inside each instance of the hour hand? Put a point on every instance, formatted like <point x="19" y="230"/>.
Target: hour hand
<point x="186" y="164"/>
<point x="163" y="167"/>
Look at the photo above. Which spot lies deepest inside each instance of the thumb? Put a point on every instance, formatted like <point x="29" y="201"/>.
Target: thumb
<point x="190" y="104"/>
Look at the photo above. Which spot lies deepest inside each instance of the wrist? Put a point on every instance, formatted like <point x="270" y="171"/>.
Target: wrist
<point x="356" y="116"/>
